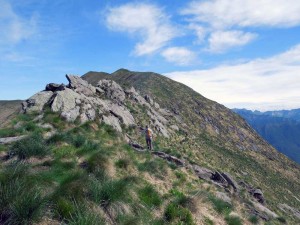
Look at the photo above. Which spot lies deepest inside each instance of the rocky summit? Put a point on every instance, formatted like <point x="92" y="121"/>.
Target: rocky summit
<point x="76" y="155"/>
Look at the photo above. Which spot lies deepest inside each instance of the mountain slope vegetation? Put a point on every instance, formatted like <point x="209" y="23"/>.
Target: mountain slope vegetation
<point x="80" y="158"/>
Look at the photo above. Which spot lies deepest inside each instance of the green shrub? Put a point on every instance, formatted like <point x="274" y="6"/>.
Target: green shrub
<point x="253" y="219"/>
<point x="85" y="217"/>
<point x="20" y="203"/>
<point x="109" y="191"/>
<point x="33" y="145"/>
<point x="233" y="220"/>
<point x="64" y="151"/>
<point x="28" y="207"/>
<point x="281" y="219"/>
<point x="149" y="196"/>
<point x="208" y="221"/>
<point x="8" y="132"/>
<point x="78" y="141"/>
<point x="64" y="208"/>
<point x="97" y="162"/>
<point x="89" y="147"/>
<point x="220" y="206"/>
<point x="176" y="212"/>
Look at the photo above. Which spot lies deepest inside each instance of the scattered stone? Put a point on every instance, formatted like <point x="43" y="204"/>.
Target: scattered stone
<point x="9" y="140"/>
<point x="174" y="127"/>
<point x="169" y="158"/>
<point x="263" y="209"/>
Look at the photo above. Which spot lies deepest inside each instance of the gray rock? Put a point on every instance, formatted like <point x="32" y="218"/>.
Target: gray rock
<point x="112" y="121"/>
<point x="55" y="87"/>
<point x="174" y="127"/>
<point x="156" y="105"/>
<point x="65" y="100"/>
<point x="80" y="86"/>
<point x="231" y="181"/>
<point x="169" y="158"/>
<point x="71" y="114"/>
<point x="37" y="101"/>
<point x="263" y="209"/>
<point x="9" y="140"/>
<point x="203" y="173"/>
<point x="122" y="113"/>
<point x="258" y="195"/>
<point x="149" y="99"/>
<point x="112" y="90"/>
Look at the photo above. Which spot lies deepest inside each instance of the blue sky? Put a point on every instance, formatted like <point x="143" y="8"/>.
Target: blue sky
<point x="241" y="53"/>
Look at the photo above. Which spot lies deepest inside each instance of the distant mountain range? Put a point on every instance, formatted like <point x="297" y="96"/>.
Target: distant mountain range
<point x="280" y="128"/>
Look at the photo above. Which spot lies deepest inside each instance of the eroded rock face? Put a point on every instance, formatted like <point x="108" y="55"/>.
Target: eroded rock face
<point x="64" y="101"/>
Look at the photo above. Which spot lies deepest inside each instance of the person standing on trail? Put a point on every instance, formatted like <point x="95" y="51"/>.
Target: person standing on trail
<point x="149" y="137"/>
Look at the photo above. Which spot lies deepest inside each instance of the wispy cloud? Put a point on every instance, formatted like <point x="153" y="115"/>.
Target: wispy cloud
<point x="149" y="22"/>
<point x="179" y="55"/>
<point x="252" y="84"/>
<point x="14" y="27"/>
<point x="220" y="41"/>
<point x="224" y="21"/>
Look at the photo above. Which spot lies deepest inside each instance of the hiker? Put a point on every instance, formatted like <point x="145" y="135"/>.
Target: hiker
<point x="149" y="136"/>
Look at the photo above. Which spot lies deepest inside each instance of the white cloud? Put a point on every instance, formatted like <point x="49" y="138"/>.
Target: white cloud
<point x="14" y="28"/>
<point x="245" y="13"/>
<point x="224" y="21"/>
<point x="147" y="21"/>
<point x="220" y="41"/>
<point x="271" y="83"/>
<point x="179" y="55"/>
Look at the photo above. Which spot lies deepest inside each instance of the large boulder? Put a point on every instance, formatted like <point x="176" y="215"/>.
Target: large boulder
<point x="122" y="113"/>
<point x="80" y="86"/>
<point x="65" y="100"/>
<point x="71" y="114"/>
<point x="112" y="121"/>
<point x="37" y="101"/>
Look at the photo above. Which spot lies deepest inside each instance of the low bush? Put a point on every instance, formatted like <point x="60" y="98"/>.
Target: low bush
<point x="33" y="145"/>
<point x="175" y="212"/>
<point x="108" y="191"/>
<point x="253" y="219"/>
<point x="149" y="196"/>
<point x="233" y="220"/>
<point x="220" y="206"/>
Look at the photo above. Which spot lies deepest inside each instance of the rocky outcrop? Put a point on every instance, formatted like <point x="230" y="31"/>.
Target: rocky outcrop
<point x="37" y="101"/>
<point x="112" y="90"/>
<point x="80" y="86"/>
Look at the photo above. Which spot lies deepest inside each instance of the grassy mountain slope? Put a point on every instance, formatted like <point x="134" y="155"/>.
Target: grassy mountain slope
<point x="72" y="173"/>
<point x="278" y="128"/>
<point x="214" y="136"/>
